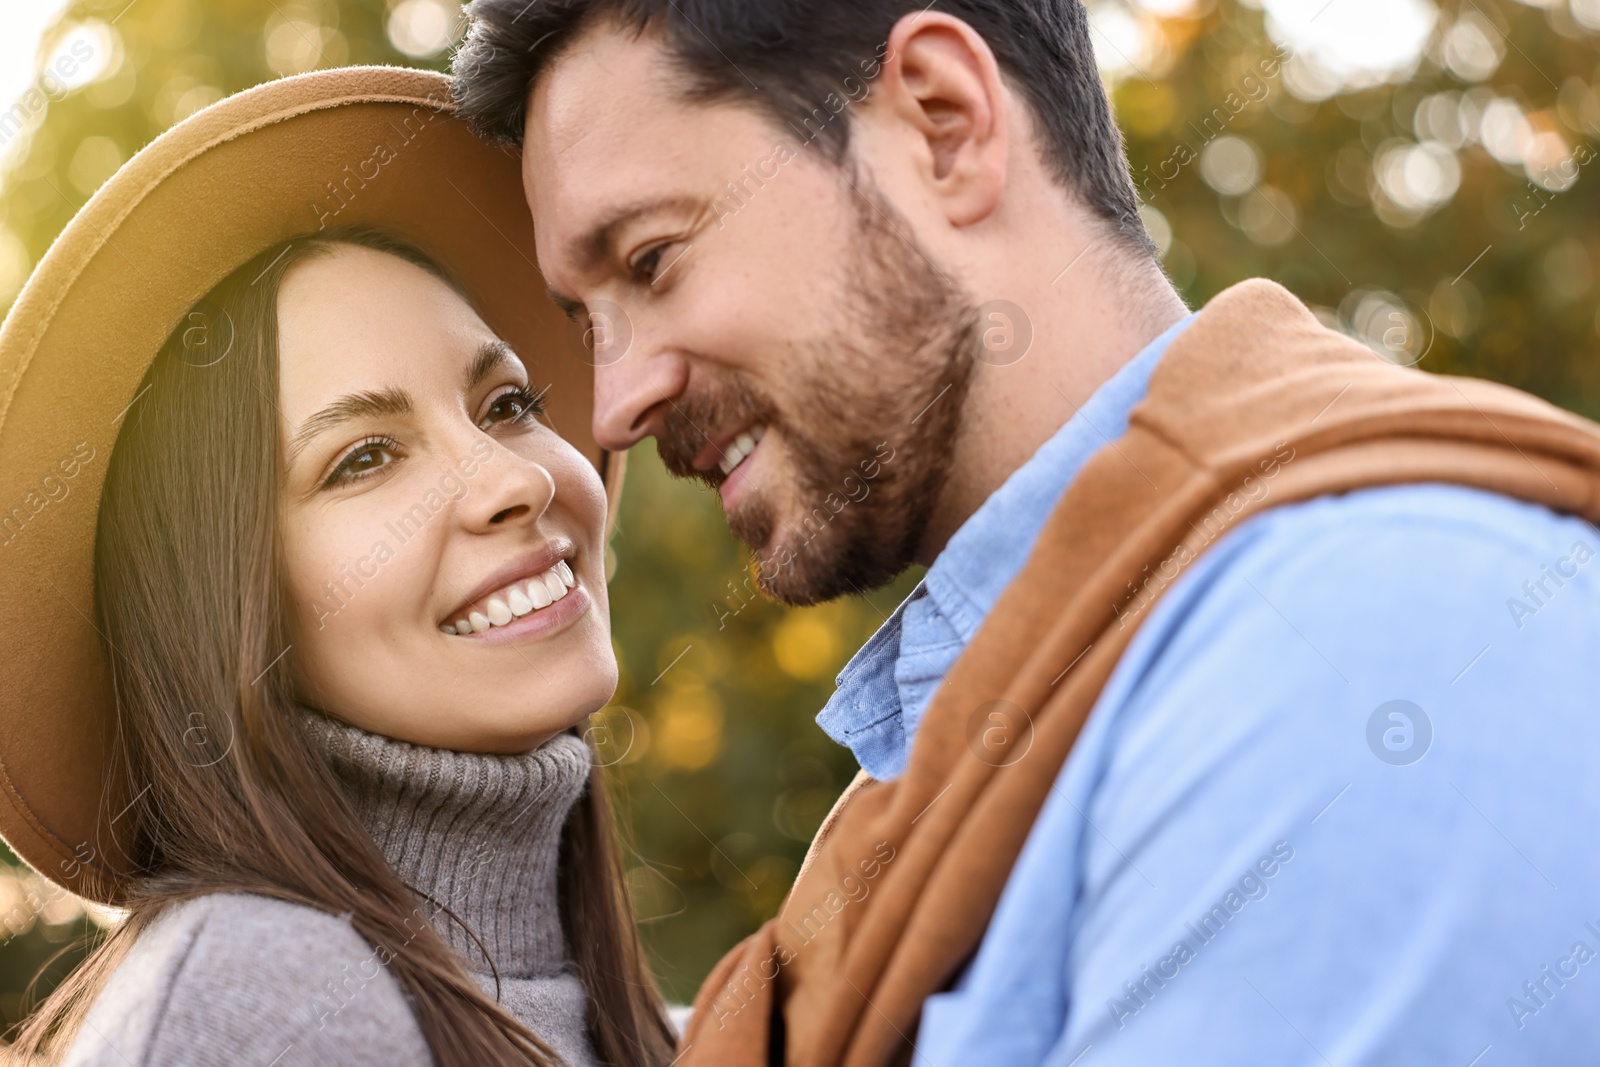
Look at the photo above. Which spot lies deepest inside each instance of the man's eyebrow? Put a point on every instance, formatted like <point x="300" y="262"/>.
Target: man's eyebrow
<point x="491" y="355"/>
<point x="365" y="405"/>
<point x="590" y="247"/>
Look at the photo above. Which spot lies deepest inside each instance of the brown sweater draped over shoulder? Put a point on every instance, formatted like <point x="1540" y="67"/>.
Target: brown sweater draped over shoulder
<point x="1255" y="404"/>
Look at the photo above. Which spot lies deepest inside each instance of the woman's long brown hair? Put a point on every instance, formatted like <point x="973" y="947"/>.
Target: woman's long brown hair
<point x="238" y="799"/>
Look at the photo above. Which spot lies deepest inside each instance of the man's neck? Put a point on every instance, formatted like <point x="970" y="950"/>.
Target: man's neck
<point x="1082" y="335"/>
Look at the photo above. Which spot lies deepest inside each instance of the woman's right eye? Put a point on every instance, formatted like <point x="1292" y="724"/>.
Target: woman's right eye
<point x="364" y="460"/>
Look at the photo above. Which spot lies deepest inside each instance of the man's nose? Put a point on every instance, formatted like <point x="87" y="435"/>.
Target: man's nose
<point x="629" y="395"/>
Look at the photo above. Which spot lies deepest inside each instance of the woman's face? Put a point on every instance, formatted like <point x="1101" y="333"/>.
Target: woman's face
<point x="444" y="547"/>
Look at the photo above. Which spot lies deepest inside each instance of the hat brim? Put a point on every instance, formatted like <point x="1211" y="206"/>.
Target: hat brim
<point x="357" y="146"/>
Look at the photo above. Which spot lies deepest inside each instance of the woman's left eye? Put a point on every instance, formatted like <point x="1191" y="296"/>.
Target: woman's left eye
<point x="362" y="461"/>
<point x="516" y="404"/>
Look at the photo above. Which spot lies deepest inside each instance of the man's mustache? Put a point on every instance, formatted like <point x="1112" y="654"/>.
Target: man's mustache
<point x="692" y="422"/>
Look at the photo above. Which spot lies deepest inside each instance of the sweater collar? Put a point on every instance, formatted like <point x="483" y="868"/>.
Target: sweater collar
<point x="479" y="833"/>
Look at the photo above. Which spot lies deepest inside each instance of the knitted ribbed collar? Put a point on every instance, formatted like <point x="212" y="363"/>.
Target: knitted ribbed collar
<point x="479" y="833"/>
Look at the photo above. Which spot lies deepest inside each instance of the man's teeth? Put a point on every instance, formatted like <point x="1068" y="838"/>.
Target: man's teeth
<point x="742" y="446"/>
<point x="515" y="601"/>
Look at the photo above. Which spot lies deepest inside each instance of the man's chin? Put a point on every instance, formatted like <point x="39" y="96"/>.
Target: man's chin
<point x="753" y="529"/>
<point x="792" y="574"/>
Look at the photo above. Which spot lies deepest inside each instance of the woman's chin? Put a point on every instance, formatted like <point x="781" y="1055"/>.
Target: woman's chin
<point x="490" y="731"/>
<point x="477" y="697"/>
<point x="521" y="729"/>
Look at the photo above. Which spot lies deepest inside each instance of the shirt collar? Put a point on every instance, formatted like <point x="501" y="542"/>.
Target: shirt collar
<point x="885" y="688"/>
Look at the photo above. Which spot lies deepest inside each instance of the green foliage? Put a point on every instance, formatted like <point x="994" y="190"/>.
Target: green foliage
<point x="1322" y="223"/>
<point x="711" y="732"/>
<point x="725" y="772"/>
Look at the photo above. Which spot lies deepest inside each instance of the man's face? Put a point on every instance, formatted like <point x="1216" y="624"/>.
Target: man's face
<point x="765" y="315"/>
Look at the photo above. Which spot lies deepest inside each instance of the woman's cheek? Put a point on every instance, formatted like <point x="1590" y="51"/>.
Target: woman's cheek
<point x="578" y="485"/>
<point x="356" y="584"/>
<point x="334" y="565"/>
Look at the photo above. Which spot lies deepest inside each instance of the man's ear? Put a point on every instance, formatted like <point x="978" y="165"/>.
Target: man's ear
<point x="940" y="79"/>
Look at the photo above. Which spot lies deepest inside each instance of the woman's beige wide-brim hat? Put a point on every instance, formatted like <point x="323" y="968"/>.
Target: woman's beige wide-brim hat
<point x="374" y="146"/>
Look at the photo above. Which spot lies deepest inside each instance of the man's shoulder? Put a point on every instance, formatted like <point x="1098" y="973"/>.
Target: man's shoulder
<point x="1389" y="556"/>
<point x="1400" y="642"/>
<point x="1341" y="683"/>
<point x="1267" y="676"/>
<point x="220" y="974"/>
<point x="1404" y="587"/>
<point x="1414" y="513"/>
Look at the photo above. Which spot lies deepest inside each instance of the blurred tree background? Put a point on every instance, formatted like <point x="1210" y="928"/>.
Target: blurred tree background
<point x="1425" y="177"/>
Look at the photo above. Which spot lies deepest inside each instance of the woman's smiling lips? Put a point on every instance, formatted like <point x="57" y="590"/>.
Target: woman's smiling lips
<point x="535" y="625"/>
<point x="528" y="597"/>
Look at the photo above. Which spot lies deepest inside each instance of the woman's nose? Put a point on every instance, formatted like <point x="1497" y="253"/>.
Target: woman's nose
<point x="511" y="489"/>
<point x="508" y="513"/>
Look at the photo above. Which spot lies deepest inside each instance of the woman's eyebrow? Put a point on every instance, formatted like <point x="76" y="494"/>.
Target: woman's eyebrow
<point x="366" y="405"/>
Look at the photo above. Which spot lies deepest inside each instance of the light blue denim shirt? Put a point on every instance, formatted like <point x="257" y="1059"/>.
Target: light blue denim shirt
<point x="1254" y="856"/>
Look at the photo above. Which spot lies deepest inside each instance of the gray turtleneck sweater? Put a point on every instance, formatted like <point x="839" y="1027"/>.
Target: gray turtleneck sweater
<point x="247" y="981"/>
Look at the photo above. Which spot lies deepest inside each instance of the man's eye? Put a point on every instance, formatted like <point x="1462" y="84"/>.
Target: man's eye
<point x="514" y="405"/>
<point x="362" y="461"/>
<point x="645" y="267"/>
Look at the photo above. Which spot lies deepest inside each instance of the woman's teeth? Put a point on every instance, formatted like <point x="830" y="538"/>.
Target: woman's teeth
<point x="742" y="446"/>
<point x="515" y="601"/>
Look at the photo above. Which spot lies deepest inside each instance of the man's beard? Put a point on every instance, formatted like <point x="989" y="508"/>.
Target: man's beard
<point x="870" y="426"/>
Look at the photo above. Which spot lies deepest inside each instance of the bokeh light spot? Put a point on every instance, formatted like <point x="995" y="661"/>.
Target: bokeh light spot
<point x="806" y="647"/>
<point x="1386" y="324"/>
<point x="1231" y="165"/>
<point x="688" y="728"/>
<point x="14" y="265"/>
<point x="1157" y="226"/>
<point x="1505" y="130"/>
<point x="1472" y="48"/>
<point x="96" y="159"/>
<point x="1267" y="216"/>
<point x="1349" y="44"/>
<point x="1416" y="178"/>
<point x="423" y="28"/>
<point x="82" y="56"/>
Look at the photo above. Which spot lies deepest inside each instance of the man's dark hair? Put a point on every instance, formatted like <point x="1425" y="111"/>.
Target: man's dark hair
<point x="797" y="60"/>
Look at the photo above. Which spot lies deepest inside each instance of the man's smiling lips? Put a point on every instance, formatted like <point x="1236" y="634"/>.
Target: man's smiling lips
<point x="728" y="451"/>
<point x="728" y="455"/>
